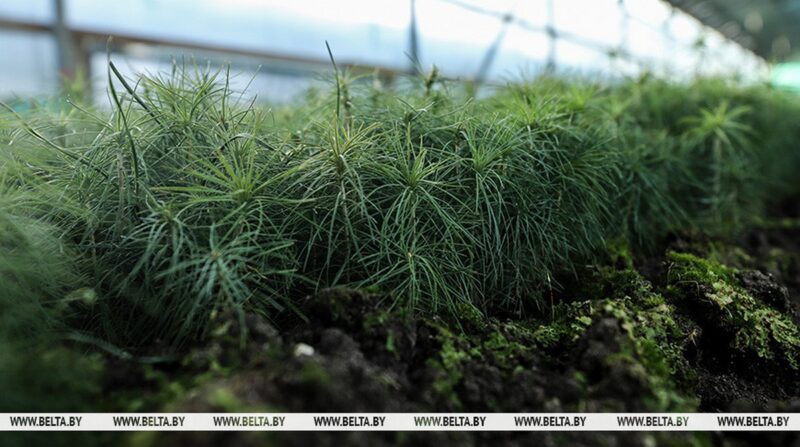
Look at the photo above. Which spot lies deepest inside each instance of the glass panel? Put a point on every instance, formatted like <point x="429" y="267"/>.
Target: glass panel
<point x="359" y="31"/>
<point x="649" y="12"/>
<point x="596" y="20"/>
<point x="523" y="54"/>
<point x="456" y="49"/>
<point x="270" y="84"/>
<point x="37" y="11"/>
<point x="646" y="43"/>
<point x="684" y="29"/>
<point x="574" y="57"/>
<point x="33" y="69"/>
<point x="533" y="12"/>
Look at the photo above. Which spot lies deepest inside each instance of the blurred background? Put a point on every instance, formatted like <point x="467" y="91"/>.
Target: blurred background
<point x="278" y="46"/>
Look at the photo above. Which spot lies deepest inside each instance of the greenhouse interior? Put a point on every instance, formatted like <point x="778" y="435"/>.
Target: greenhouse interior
<point x="400" y="222"/>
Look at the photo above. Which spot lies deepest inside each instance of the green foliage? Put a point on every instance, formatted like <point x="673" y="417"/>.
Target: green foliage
<point x="733" y="149"/>
<point x="38" y="292"/>
<point x="34" y="270"/>
<point x="755" y="327"/>
<point x="185" y="199"/>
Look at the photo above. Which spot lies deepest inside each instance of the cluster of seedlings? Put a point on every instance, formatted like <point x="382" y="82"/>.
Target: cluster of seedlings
<point x="136" y="225"/>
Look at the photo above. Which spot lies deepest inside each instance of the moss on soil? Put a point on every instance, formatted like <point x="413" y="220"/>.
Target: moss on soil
<point x="714" y="290"/>
<point x="613" y="340"/>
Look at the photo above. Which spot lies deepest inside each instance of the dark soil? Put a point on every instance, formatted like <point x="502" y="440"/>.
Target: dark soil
<point x="620" y="335"/>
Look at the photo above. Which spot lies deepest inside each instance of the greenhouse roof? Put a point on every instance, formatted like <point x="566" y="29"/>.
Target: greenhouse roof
<point x="768" y="27"/>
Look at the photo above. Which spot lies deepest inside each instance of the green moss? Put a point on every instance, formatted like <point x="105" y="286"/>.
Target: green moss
<point x="509" y="345"/>
<point x="448" y="364"/>
<point x="754" y="326"/>
<point x="688" y="267"/>
<point x="225" y="399"/>
<point x="653" y="348"/>
<point x="782" y="261"/>
<point x="469" y="317"/>
<point x="48" y="378"/>
<point x="655" y="335"/>
<point x="376" y="319"/>
<point x="390" y="341"/>
<point x="389" y="325"/>
<point x="730" y="255"/>
<point x="161" y="392"/>
<point x="619" y="254"/>
<point x="595" y="286"/>
<point x="607" y="281"/>
<point x="570" y="323"/>
<point x="314" y="373"/>
<point x="548" y="336"/>
<point x="654" y="341"/>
